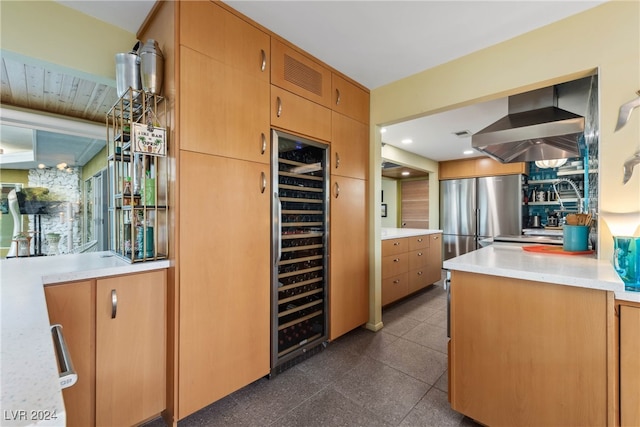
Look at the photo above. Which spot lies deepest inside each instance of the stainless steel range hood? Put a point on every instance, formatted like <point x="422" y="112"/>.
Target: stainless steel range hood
<point x="534" y="129"/>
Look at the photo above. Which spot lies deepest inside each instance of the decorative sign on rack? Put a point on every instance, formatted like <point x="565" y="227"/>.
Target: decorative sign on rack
<point x="149" y="140"/>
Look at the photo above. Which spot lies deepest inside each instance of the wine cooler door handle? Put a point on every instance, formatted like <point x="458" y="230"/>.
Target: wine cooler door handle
<point x="278" y="106"/>
<point x="337" y="188"/>
<point x="114" y="303"/>
<point x="263" y="182"/>
<point x="263" y="147"/>
<point x="263" y="66"/>
<point x="278" y="219"/>
<point x="337" y="160"/>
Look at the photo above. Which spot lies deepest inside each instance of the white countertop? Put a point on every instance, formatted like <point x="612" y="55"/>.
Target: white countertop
<point x="397" y="233"/>
<point x="31" y="393"/>
<point x="571" y="270"/>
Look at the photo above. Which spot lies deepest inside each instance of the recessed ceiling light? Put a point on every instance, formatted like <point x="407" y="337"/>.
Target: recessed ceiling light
<point x="407" y="141"/>
<point x="467" y="152"/>
<point x="405" y="173"/>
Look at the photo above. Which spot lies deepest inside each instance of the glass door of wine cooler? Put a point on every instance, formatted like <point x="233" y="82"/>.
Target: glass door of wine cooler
<point x="300" y="247"/>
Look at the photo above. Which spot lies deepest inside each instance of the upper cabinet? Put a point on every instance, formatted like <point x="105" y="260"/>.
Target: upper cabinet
<point x="298" y="73"/>
<point x="480" y="166"/>
<point x="349" y="99"/>
<point x="213" y="31"/>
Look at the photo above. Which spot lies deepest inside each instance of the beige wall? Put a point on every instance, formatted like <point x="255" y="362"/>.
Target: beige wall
<point x="605" y="39"/>
<point x="74" y="42"/>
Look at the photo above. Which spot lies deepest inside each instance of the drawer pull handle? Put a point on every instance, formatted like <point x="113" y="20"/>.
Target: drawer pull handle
<point x="419" y="253"/>
<point x="419" y="273"/>
<point x="263" y="182"/>
<point x="396" y="244"/>
<point x="337" y="190"/>
<point x="263" y="66"/>
<point x="68" y="375"/>
<point x="278" y="107"/>
<point x="396" y="281"/>
<point x="396" y="260"/>
<point x="264" y="144"/>
<point x="420" y="239"/>
<point x="337" y="96"/>
<point x="114" y="303"/>
<point x="337" y="160"/>
<point x="436" y="237"/>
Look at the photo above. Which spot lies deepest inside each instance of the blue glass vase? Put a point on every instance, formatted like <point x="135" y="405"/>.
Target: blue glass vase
<point x="626" y="261"/>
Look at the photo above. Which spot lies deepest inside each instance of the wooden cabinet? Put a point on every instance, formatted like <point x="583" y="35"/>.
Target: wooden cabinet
<point x="410" y="264"/>
<point x="294" y="113"/>
<point x="224" y="278"/>
<point x="480" y="166"/>
<point x="299" y="73"/>
<point x="629" y="365"/>
<point x="349" y="286"/>
<point x="349" y="99"/>
<point x="527" y="353"/>
<point x="349" y="147"/>
<point x="115" y="329"/>
<point x="72" y="305"/>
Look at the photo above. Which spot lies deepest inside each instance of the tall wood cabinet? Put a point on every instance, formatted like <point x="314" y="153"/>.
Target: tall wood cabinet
<point x="224" y="193"/>
<point x="115" y="328"/>
<point x="629" y="366"/>
<point x="229" y="82"/>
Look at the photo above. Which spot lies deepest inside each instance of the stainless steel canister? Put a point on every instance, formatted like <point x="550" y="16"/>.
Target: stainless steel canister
<point x="128" y="71"/>
<point x="151" y="67"/>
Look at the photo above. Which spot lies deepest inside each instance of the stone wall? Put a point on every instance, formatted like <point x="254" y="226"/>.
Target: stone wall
<point x="65" y="218"/>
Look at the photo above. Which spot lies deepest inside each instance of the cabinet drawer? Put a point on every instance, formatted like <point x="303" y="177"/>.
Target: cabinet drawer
<point x="418" y="259"/>
<point x="294" y="113"/>
<point x="394" y="264"/>
<point x="394" y="246"/>
<point x="418" y="279"/>
<point x="300" y="74"/>
<point x="394" y="288"/>
<point x="418" y="242"/>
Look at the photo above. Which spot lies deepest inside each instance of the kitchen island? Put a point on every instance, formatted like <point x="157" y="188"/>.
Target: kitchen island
<point x="31" y="392"/>
<point x="533" y="337"/>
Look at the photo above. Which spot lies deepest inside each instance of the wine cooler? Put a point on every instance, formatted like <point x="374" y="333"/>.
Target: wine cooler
<point x="300" y="248"/>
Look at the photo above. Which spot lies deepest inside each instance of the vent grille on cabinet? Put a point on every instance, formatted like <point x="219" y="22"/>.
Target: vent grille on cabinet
<point x="301" y="75"/>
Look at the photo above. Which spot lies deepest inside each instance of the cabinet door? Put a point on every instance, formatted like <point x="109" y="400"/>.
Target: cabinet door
<point x="349" y="286"/>
<point x="629" y="366"/>
<point x="224" y="273"/>
<point x="349" y="147"/>
<point x="209" y="29"/>
<point x="349" y="99"/>
<point x="223" y="111"/>
<point x="293" y="113"/>
<point x="434" y="262"/>
<point x="299" y="73"/>
<point x="131" y="325"/>
<point x="394" y="288"/>
<point x="72" y="306"/>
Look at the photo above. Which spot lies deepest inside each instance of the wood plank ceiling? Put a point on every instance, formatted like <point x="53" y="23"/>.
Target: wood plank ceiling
<point x="37" y="88"/>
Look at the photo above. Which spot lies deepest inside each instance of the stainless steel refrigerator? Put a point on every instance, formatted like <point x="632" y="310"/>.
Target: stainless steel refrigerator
<point x="300" y="231"/>
<point x="473" y="209"/>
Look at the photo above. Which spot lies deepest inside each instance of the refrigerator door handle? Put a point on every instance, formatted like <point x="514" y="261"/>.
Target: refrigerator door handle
<point x="278" y="220"/>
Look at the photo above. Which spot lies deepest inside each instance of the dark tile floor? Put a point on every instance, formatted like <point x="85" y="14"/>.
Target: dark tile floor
<point x="395" y="377"/>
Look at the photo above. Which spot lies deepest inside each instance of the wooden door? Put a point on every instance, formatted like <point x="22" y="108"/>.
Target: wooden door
<point x="415" y="204"/>
<point x="224" y="273"/>
<point x="349" y="147"/>
<point x="349" y="99"/>
<point x="209" y="29"/>
<point x="130" y="348"/>
<point x="296" y="114"/>
<point x="349" y="286"/>
<point x="629" y="366"/>
<point x="223" y="111"/>
<point x="72" y="305"/>
<point x="434" y="264"/>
